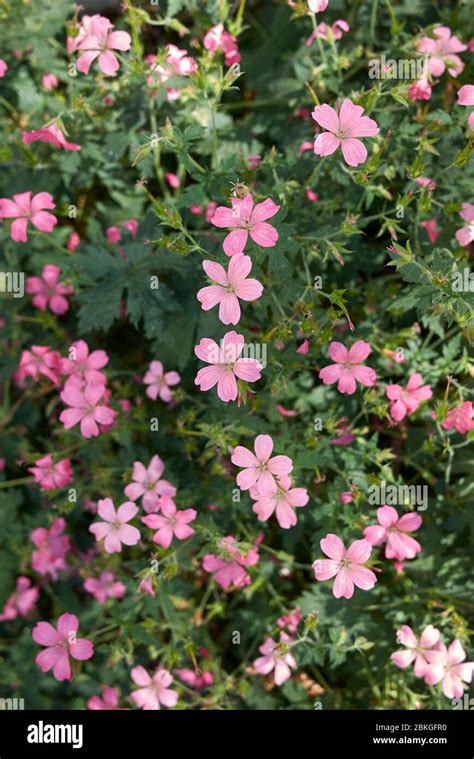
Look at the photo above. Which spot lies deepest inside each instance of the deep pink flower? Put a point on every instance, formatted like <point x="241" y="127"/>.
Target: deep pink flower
<point x="217" y="38"/>
<point x="86" y="365"/>
<point x="393" y="530"/>
<point x="87" y="408"/>
<point x="345" y="565"/>
<point x="225" y="365"/>
<point x="27" y="207"/>
<point x="104" y="587"/>
<point x="154" y="691"/>
<point x="97" y="40"/>
<point x="346" y="497"/>
<point x="290" y="620"/>
<point x="196" y="679"/>
<point x="406" y="400"/>
<point x="60" y="644"/>
<point x="230" y="565"/>
<point x="52" y="547"/>
<point x="258" y="468"/>
<point x="73" y="241"/>
<point x="311" y="195"/>
<point x="448" y="665"/>
<point x="246" y="219"/>
<point x="343" y="130"/>
<point x="441" y="51"/>
<point x="427" y="182"/>
<point x="460" y="417"/>
<point x="285" y="411"/>
<point x="348" y="369"/>
<point x="465" y="235"/>
<point x="51" y="134"/>
<point x="115" y="530"/>
<point x="147" y="482"/>
<point x="160" y="382"/>
<point x="48" y="291"/>
<point x="282" y="503"/>
<point x="172" y="179"/>
<point x="109" y="700"/>
<point x="420" y="90"/>
<point x="416" y="650"/>
<point x="50" y="476"/>
<point x="115" y="235"/>
<point x="275" y="659"/>
<point x="431" y="228"/>
<point x="40" y="360"/>
<point x="229" y="287"/>
<point x="3" y="67"/>
<point x="49" y="81"/>
<point x="170" y="522"/>
<point x="21" y="601"/>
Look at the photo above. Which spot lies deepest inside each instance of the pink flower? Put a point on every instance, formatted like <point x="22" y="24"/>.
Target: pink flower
<point x="336" y="31"/>
<point x="154" y="691"/>
<point x="416" y="650"/>
<point x="225" y="366"/>
<point x="311" y="195"/>
<point x="49" y="81"/>
<point x="465" y="235"/>
<point x="51" y="134"/>
<point x="285" y="411"/>
<point x="40" y="360"/>
<point x="21" y="601"/>
<point x="305" y="146"/>
<point x="317" y="6"/>
<point x="146" y="586"/>
<point x="147" y="482"/>
<point x="52" y="547"/>
<point x="406" y="401"/>
<point x="461" y="418"/>
<point x="431" y="228"/>
<point x="259" y="469"/>
<point x="276" y="658"/>
<point x="114" y="234"/>
<point x="448" y="666"/>
<point x="253" y="162"/>
<point x="218" y="39"/>
<point x="304" y="347"/>
<point x="178" y="63"/>
<point x="170" y="523"/>
<point x="115" y="528"/>
<point x="229" y="287"/>
<point x="97" y="40"/>
<point x="430" y="184"/>
<point x="26" y="207"/>
<point x="196" y="679"/>
<point x="60" y="644"/>
<point x="179" y="60"/>
<point x="48" y="291"/>
<point x="73" y="241"/>
<point x="160" y="383"/>
<point x="393" y="532"/>
<point x="104" y="587"/>
<point x="87" y="408"/>
<point x="346" y="566"/>
<point x="109" y="700"/>
<point x="346" y="497"/>
<point x="229" y="567"/>
<point x="466" y="95"/>
<point x="85" y="365"/>
<point x="172" y="179"/>
<point x="290" y="620"/>
<point x="441" y="52"/>
<point x="420" y="90"/>
<point x="210" y="211"/>
<point x="283" y="503"/>
<point x="3" y="67"/>
<point x="343" y="130"/>
<point x="348" y="368"/>
<point x="244" y="219"/>
<point x="51" y="476"/>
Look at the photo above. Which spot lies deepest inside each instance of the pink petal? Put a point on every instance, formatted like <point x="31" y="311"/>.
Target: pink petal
<point x="235" y="242"/>
<point x="333" y="547"/>
<point x="326" y="144"/>
<point x="354" y="151"/>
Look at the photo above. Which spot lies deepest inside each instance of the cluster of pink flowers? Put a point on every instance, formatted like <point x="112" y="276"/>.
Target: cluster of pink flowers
<point x="405" y="401"/>
<point x="114" y="234"/>
<point x="95" y="39"/>
<point x="177" y="63"/>
<point x="441" y="54"/>
<point x="217" y="38"/>
<point x="51" y="548"/>
<point x="23" y="600"/>
<point x="230" y="565"/>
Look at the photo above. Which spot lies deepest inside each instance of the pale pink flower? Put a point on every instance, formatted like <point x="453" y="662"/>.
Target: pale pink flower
<point x="290" y="620"/>
<point x="146" y="586"/>
<point x="448" y="666"/>
<point x="245" y="219"/>
<point x="305" y="146"/>
<point x="115" y="235"/>
<point x="48" y="291"/>
<point x="21" y="601"/>
<point x="85" y="365"/>
<point x="97" y="40"/>
<point x="229" y="287"/>
<point x="170" y="522"/>
<point x="345" y="565"/>
<point x="178" y="63"/>
<point x="160" y="382"/>
<point x="87" y="407"/>
<point x="431" y="228"/>
<point x="317" y="6"/>
<point x="109" y="700"/>
<point x="172" y="179"/>
<point x="3" y="67"/>
<point x="115" y="530"/>
<point x="343" y="130"/>
<point x="210" y="211"/>
<point x="416" y="650"/>
<point x="325" y="32"/>
<point x="52" y="547"/>
<point x="461" y="418"/>
<point x="225" y="366"/>
<point x="406" y="400"/>
<point x="60" y="644"/>
<point x="229" y="567"/>
<point x="25" y="208"/>
<point x="441" y="51"/>
<point x="51" y="134"/>
<point x="393" y="530"/>
<point x="154" y="691"/>
<point x="277" y="658"/>
<point x="196" y="679"/>
<point x="217" y="38"/>
<point x="258" y="468"/>
<point x="465" y="235"/>
<point x="427" y="182"/>
<point x="283" y="503"/>
<point x="466" y="95"/>
<point x="73" y="241"/>
<point x="40" y="360"/>
<point x="420" y="90"/>
<point x="147" y="482"/>
<point x="105" y="586"/>
<point x="50" y="476"/>
<point x="49" y="81"/>
<point x="348" y="368"/>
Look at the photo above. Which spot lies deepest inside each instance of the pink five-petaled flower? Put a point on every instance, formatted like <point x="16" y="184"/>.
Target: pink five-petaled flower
<point x="461" y="418"/>
<point x="283" y="503"/>
<point x="465" y="235"/>
<point x="51" y="134"/>
<point x="52" y="547"/>
<point x="393" y="531"/>
<point x="348" y="368"/>
<point x="87" y="407"/>
<point x="277" y="657"/>
<point x="115" y="530"/>
<point x="50" y="476"/>
<point x="229" y="287"/>
<point x="21" y="601"/>
<point x="196" y="679"/>
<point x="147" y="482"/>
<point x="441" y="52"/>
<point x="290" y="620"/>
<point x="420" y="90"/>
<point x="259" y="469"/>
<point x="170" y="523"/>
<point x="229" y="567"/>
<point x="109" y="700"/>
<point x="48" y="291"/>
<point x="448" y="665"/>
<point x="466" y="97"/>
<point x="246" y="219"/>
<point x="346" y="566"/>
<point x="97" y="40"/>
<point x="344" y="129"/>
<point x="154" y="691"/>
<point x="406" y="400"/>
<point x="60" y="644"/>
<point x="225" y="365"/>
<point x="105" y="586"/>
<point x="159" y="382"/>
<point x="27" y="207"/>
<point x="416" y="650"/>
<point x="86" y="365"/>
<point x="217" y="38"/>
